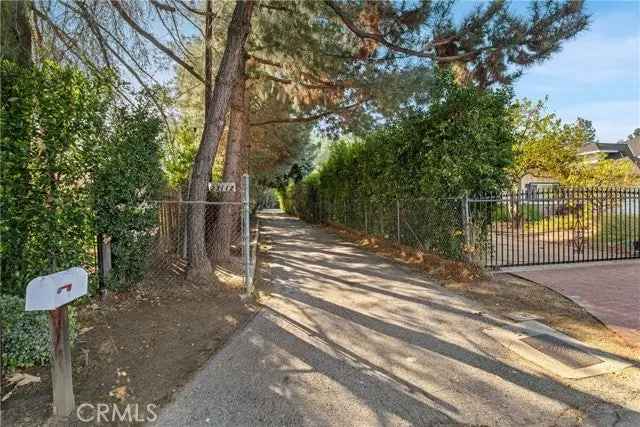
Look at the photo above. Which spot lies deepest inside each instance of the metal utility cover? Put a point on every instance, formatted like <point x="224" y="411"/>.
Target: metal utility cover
<point x="567" y="353"/>
<point x="554" y="351"/>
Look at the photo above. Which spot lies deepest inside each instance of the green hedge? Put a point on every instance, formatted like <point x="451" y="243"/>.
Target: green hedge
<point x="74" y="164"/>
<point x="25" y="335"/>
<point x="460" y="143"/>
<point x="52" y="121"/>
<point x="127" y="177"/>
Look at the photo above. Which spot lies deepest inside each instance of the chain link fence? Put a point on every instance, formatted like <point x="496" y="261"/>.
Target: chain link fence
<point x="432" y="225"/>
<point x="161" y="252"/>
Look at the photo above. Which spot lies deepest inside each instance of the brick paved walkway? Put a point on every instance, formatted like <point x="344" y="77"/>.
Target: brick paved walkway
<point x="609" y="292"/>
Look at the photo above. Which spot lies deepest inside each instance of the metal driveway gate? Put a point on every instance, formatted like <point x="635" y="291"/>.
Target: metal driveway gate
<point x="553" y="226"/>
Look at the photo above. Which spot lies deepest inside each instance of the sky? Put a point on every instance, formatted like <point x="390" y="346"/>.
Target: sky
<point x="596" y="75"/>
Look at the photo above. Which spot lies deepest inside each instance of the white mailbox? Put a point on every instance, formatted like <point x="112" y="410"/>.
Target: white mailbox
<point x="57" y="289"/>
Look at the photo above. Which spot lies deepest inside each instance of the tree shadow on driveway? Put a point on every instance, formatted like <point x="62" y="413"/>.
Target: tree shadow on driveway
<point x="298" y="278"/>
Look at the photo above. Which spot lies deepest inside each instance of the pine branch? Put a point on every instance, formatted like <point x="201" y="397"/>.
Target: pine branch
<point x="321" y="85"/>
<point x="273" y="7"/>
<point x="264" y="61"/>
<point x="137" y="28"/>
<point x="165" y="7"/>
<point x="310" y="118"/>
<point x="188" y="19"/>
<point x="73" y="47"/>
<point x="98" y="29"/>
<point x="194" y="10"/>
<point x="93" y="25"/>
<point x="177" y="40"/>
<point x="428" y="53"/>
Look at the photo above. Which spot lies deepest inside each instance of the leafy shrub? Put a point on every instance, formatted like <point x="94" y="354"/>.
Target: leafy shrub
<point x="460" y="143"/>
<point x="127" y="178"/>
<point x="25" y="335"/>
<point x="74" y="164"/>
<point x="52" y="120"/>
<point x="531" y="213"/>
<point x="302" y="199"/>
<point x="528" y="212"/>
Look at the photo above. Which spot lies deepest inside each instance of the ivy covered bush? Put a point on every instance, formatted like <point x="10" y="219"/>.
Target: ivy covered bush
<point x="25" y="335"/>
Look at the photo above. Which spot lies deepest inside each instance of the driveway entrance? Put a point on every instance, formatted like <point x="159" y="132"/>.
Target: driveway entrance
<point x="610" y="292"/>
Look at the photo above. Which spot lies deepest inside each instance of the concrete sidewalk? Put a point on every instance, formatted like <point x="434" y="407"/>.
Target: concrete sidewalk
<point x="347" y="338"/>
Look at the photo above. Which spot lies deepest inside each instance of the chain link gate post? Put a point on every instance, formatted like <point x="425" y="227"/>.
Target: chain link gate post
<point x="467" y="227"/>
<point x="468" y="236"/>
<point x="246" y="235"/>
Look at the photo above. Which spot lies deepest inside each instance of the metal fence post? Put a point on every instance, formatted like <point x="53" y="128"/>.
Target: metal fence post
<point x="398" y="219"/>
<point x="104" y="263"/>
<point x="246" y="235"/>
<point x="366" y="222"/>
<point x="344" y="212"/>
<point x="466" y="222"/>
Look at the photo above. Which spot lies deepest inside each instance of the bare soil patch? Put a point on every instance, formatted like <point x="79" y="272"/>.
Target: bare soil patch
<point x="502" y="294"/>
<point x="139" y="346"/>
<point x="442" y="268"/>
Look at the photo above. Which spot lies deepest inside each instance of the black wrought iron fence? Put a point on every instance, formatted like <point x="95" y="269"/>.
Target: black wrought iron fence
<point x="553" y="226"/>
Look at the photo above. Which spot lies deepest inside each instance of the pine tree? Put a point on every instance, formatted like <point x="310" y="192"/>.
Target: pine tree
<point x="490" y="45"/>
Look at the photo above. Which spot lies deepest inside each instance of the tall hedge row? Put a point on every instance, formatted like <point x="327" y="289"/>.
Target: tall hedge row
<point x="74" y="163"/>
<point x="461" y="143"/>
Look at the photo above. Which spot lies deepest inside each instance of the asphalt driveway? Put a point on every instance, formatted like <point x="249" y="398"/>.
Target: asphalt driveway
<point x="347" y="338"/>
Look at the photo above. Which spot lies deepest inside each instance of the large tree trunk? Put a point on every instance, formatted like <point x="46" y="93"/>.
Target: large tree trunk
<point x="237" y="33"/>
<point x="238" y="134"/>
<point x="15" y="32"/>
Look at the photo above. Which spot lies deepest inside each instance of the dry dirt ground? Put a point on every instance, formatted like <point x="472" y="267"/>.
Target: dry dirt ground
<point x="138" y="347"/>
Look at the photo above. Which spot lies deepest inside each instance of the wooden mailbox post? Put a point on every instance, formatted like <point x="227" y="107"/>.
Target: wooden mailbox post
<point x="52" y="293"/>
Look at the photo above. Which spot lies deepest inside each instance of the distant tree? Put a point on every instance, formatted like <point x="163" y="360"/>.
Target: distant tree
<point x="586" y="126"/>
<point x="604" y="173"/>
<point x="543" y="144"/>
